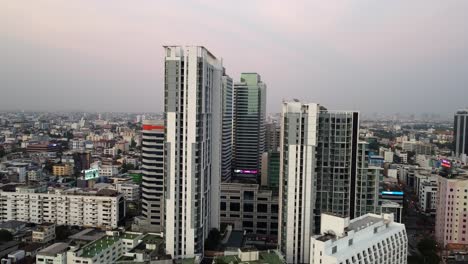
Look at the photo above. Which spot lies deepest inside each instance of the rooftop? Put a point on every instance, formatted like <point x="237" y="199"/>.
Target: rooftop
<point x="98" y="246"/>
<point x="264" y="258"/>
<point x="54" y="249"/>
<point x="360" y="223"/>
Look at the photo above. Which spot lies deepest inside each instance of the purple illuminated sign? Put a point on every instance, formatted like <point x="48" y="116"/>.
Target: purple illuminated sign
<point x="246" y="171"/>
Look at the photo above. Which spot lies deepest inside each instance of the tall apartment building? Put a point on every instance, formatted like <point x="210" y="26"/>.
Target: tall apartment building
<point x="460" y="132"/>
<point x="372" y="239"/>
<point x="318" y="172"/>
<point x="193" y="87"/>
<point x="227" y="97"/>
<point x="452" y="211"/>
<point x="338" y="133"/>
<point x="272" y="137"/>
<point x="152" y="188"/>
<point x="297" y="178"/>
<point x="102" y="209"/>
<point x="249" y="125"/>
<point x="368" y="183"/>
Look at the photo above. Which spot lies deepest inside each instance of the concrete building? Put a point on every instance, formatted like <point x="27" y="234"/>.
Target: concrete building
<point x="368" y="183"/>
<point x="297" y="177"/>
<point x="130" y="191"/>
<point x="417" y="147"/>
<point x="318" y="172"/>
<point x="44" y="233"/>
<point x="249" y="126"/>
<point x="103" y="209"/>
<point x="109" y="170"/>
<point x="270" y="169"/>
<point x="249" y="208"/>
<point x="460" y="133"/>
<point x="272" y="137"/>
<point x="153" y="173"/>
<point x="193" y="87"/>
<point x="53" y="254"/>
<point x="451" y="212"/>
<point x="62" y="170"/>
<point x="428" y="197"/>
<point x="227" y="105"/>
<point x="372" y="239"/>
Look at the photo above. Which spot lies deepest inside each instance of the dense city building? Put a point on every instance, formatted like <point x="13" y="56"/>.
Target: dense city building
<point x="370" y="238"/>
<point x="152" y="155"/>
<point x="227" y="127"/>
<point x="193" y="86"/>
<point x="249" y="126"/>
<point x="103" y="209"/>
<point x="460" y="133"/>
<point x="249" y="208"/>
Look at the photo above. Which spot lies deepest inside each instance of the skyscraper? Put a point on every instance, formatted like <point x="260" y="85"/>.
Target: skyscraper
<point x="249" y="125"/>
<point x="227" y="126"/>
<point x="460" y="132"/>
<point x="297" y="177"/>
<point x="272" y="135"/>
<point x="368" y="184"/>
<point x="152" y="152"/>
<point x="193" y="86"/>
<point x="318" y="172"/>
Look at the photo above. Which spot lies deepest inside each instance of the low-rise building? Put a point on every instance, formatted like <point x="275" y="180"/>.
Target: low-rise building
<point x="53" y="254"/>
<point x="62" y="170"/>
<point x="370" y="238"/>
<point x="131" y="192"/>
<point x="249" y="207"/>
<point x="44" y="233"/>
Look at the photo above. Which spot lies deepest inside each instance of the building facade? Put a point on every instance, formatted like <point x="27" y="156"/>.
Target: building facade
<point x="451" y="212"/>
<point x="227" y="128"/>
<point x="102" y="209"/>
<point x="249" y="125"/>
<point x="152" y="169"/>
<point x="368" y="183"/>
<point x="193" y="87"/>
<point x="249" y="208"/>
<point x="372" y="239"/>
<point x="297" y="179"/>
<point x="460" y="133"/>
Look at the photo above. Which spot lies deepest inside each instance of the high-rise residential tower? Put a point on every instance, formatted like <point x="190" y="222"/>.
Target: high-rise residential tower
<point x="193" y="86"/>
<point x="318" y="172"/>
<point x="152" y="189"/>
<point x="249" y="125"/>
<point x="298" y="145"/>
<point x="338" y="133"/>
<point x="227" y="97"/>
<point x="368" y="183"/>
<point x="460" y="133"/>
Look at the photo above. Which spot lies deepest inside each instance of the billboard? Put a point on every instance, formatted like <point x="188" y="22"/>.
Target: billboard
<point x="91" y="174"/>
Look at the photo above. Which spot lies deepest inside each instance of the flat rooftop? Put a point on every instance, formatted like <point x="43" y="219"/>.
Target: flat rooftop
<point x="364" y="222"/>
<point x="264" y="258"/>
<point x="98" y="246"/>
<point x="54" y="249"/>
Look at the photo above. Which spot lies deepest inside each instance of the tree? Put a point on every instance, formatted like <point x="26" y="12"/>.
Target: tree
<point x="62" y="232"/>
<point x="213" y="240"/>
<point x="428" y="249"/>
<point x="2" y="152"/>
<point x="133" y="144"/>
<point x="5" y="235"/>
<point x="126" y="167"/>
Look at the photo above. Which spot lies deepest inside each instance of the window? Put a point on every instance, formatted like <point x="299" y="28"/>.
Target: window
<point x="235" y="207"/>
<point x="248" y="207"/>
<point x="223" y="206"/>
<point x="262" y="208"/>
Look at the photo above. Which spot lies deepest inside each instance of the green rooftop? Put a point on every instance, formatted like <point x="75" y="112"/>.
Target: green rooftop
<point x="265" y="258"/>
<point x="188" y="261"/>
<point x="152" y="239"/>
<point x="98" y="246"/>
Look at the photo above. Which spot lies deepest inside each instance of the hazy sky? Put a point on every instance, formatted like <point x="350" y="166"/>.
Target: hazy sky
<point x="106" y="55"/>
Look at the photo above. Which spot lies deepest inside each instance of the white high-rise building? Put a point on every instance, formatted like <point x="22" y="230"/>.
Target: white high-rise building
<point x="372" y="239"/>
<point x="297" y="176"/>
<point x="193" y="86"/>
<point x="319" y="173"/>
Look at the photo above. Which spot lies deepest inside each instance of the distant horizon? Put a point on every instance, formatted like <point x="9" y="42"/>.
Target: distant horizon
<point x="368" y="56"/>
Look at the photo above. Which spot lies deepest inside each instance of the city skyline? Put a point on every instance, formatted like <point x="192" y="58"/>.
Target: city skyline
<point x="90" y="56"/>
